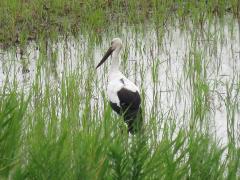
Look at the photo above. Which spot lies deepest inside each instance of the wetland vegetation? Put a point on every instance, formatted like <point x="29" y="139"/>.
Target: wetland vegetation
<point x="56" y="122"/>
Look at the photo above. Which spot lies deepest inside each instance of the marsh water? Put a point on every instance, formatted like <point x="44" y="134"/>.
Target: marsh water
<point x="184" y="73"/>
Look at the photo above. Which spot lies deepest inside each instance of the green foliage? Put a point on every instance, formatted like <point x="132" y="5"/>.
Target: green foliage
<point x="60" y="132"/>
<point x="81" y="145"/>
<point x="26" y="20"/>
<point x="12" y="110"/>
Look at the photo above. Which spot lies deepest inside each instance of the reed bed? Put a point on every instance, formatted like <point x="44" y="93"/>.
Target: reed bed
<point x="58" y="124"/>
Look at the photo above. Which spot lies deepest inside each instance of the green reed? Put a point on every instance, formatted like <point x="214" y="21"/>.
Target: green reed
<point x="30" y="20"/>
<point x="60" y="128"/>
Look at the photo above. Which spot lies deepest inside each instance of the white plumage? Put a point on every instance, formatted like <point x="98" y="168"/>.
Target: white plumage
<point x="115" y="84"/>
<point x="123" y="94"/>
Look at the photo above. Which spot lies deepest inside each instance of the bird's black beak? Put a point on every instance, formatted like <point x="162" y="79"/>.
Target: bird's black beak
<point x="106" y="55"/>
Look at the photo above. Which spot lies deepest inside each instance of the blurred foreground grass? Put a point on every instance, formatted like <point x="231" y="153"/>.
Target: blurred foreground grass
<point x="56" y="132"/>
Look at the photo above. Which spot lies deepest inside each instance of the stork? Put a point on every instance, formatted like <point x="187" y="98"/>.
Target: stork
<point x="123" y="94"/>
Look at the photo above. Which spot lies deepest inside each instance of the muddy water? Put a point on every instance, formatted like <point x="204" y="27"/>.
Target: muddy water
<point x="165" y="63"/>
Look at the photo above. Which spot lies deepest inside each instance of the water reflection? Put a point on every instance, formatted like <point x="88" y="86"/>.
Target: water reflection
<point x="167" y="66"/>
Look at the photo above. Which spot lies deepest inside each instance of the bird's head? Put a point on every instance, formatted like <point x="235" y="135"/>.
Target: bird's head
<point x="116" y="45"/>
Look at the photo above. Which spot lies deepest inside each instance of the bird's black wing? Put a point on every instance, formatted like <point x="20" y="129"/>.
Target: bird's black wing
<point x="129" y="100"/>
<point x="130" y="108"/>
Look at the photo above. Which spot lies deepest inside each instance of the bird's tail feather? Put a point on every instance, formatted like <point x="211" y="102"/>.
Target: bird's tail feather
<point x="134" y="121"/>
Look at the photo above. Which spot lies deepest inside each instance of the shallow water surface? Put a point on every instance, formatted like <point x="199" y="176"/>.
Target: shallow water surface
<point x="184" y="74"/>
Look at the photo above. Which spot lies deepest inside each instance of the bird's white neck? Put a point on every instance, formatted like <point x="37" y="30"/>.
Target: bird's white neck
<point x="115" y="61"/>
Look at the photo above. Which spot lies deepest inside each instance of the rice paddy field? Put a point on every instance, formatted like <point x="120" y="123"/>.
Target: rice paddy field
<point x="55" y="118"/>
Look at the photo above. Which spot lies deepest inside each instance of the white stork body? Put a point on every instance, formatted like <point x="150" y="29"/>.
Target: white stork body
<point x="118" y="81"/>
<point x="123" y="94"/>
